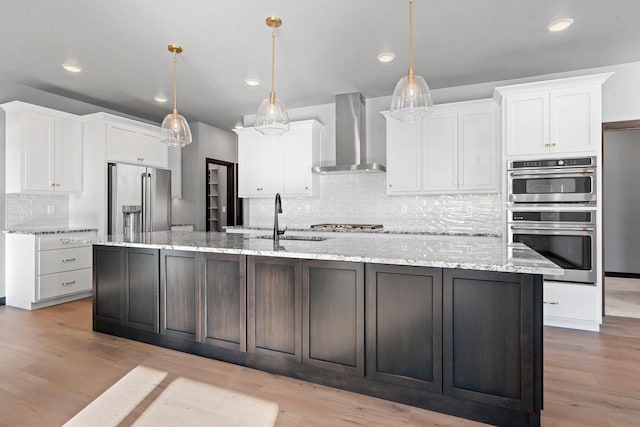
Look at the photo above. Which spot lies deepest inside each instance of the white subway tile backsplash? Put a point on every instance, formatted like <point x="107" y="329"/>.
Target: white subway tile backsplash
<point x="25" y="211"/>
<point x="361" y="198"/>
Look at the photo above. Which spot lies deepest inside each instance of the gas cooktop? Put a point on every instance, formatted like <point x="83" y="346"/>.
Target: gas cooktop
<point x="346" y="227"/>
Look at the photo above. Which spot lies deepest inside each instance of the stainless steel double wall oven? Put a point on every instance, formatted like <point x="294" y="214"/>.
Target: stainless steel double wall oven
<point x="552" y="210"/>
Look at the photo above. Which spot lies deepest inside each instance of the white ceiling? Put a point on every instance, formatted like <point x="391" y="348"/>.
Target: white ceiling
<point x="324" y="47"/>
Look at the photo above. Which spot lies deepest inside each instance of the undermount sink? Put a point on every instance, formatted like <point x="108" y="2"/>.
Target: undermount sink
<point x="301" y="238"/>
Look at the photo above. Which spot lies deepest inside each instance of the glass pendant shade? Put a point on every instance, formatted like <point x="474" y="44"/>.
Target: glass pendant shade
<point x="175" y="130"/>
<point x="272" y="118"/>
<point x="411" y="100"/>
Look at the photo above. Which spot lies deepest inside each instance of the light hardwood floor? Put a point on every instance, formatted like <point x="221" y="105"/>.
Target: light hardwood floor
<point x="52" y="365"/>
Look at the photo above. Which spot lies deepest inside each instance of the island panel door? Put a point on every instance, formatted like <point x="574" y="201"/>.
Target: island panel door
<point x="224" y="301"/>
<point x="108" y="284"/>
<point x="404" y="324"/>
<point x="274" y="301"/>
<point x="333" y="316"/>
<point x="488" y="337"/>
<point x="141" y="267"/>
<point x="179" y="294"/>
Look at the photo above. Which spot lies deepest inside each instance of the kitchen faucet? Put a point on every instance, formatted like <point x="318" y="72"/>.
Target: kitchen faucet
<point x="276" y="231"/>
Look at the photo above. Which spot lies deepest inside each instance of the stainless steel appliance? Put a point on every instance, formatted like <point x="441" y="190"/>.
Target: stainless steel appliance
<point x="556" y="181"/>
<point x="567" y="238"/>
<point x="347" y="227"/>
<point x="148" y="188"/>
<point x="131" y="220"/>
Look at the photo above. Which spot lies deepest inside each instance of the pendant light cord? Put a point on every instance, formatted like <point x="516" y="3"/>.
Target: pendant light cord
<point x="175" y="91"/>
<point x="272" y="95"/>
<point x="410" y="37"/>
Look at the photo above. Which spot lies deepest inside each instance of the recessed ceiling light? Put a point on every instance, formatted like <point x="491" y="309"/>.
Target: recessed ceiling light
<point x="252" y="82"/>
<point x="560" y="25"/>
<point x="160" y="98"/>
<point x="72" y="68"/>
<point x="386" y="57"/>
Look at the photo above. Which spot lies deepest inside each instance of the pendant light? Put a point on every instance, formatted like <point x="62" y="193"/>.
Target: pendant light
<point x="272" y="118"/>
<point x="411" y="100"/>
<point x="175" y="130"/>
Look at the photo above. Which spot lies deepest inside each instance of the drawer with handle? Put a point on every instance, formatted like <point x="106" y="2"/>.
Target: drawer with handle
<point x="59" y="284"/>
<point x="570" y="301"/>
<point x="62" y="241"/>
<point x="56" y="261"/>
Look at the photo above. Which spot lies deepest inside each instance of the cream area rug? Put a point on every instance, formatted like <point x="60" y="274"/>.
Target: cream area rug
<point x="184" y="402"/>
<point x="622" y="297"/>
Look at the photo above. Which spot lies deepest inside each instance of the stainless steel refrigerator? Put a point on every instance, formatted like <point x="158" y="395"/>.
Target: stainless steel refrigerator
<point x="143" y="187"/>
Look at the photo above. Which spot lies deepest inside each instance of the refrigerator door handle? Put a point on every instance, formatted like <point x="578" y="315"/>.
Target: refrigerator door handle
<point x="150" y="201"/>
<point x="112" y="199"/>
<point x="143" y="202"/>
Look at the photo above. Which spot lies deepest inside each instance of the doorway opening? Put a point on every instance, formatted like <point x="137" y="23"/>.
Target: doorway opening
<point x="223" y="207"/>
<point x="621" y="204"/>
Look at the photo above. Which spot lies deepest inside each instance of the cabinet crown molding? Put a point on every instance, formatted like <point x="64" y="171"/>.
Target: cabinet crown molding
<point x="299" y="123"/>
<point x="590" y="80"/>
<point x="19" y="106"/>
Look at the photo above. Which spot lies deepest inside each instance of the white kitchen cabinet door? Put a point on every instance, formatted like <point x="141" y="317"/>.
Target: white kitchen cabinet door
<point x="575" y="119"/>
<point x="122" y="143"/>
<point x="478" y="150"/>
<point x="440" y="152"/>
<point x="527" y="124"/>
<point x="38" y="143"/>
<point x="297" y="161"/>
<point x="151" y="151"/>
<point x="271" y="166"/>
<point x="68" y="155"/>
<point x="249" y="163"/>
<point x="404" y="155"/>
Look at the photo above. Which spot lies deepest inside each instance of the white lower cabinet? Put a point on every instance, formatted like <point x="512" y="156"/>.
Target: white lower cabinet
<point x="453" y="150"/>
<point x="571" y="305"/>
<point x="43" y="270"/>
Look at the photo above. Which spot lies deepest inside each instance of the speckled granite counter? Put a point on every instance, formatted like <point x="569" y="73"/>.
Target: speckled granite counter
<point x="383" y="231"/>
<point x="42" y="231"/>
<point x="454" y="252"/>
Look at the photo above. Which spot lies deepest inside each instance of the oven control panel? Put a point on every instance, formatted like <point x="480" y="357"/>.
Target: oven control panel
<point x="553" y="163"/>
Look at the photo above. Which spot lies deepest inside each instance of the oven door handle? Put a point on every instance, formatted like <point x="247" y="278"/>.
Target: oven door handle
<point x="554" y="230"/>
<point x="548" y="174"/>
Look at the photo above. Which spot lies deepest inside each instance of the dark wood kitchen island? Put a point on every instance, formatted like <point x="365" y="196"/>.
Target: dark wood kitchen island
<point x="451" y="324"/>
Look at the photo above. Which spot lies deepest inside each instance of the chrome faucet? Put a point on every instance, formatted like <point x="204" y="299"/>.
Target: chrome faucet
<point x="276" y="232"/>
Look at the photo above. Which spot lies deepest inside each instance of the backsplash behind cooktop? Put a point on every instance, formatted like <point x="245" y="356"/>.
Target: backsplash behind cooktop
<point x="361" y="198"/>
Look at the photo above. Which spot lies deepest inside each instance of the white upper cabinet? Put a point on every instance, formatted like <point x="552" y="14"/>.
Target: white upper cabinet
<point x="43" y="150"/>
<point x="300" y="152"/>
<point x="478" y="149"/>
<point x="453" y="150"/>
<point x="553" y="117"/>
<point x="136" y="143"/>
<point x="270" y="165"/>
<point x="440" y="152"/>
<point x="404" y="151"/>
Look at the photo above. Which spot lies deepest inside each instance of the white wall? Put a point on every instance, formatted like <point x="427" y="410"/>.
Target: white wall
<point x="208" y="142"/>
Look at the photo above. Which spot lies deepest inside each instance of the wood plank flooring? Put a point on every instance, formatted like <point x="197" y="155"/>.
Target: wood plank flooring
<point x="52" y="365"/>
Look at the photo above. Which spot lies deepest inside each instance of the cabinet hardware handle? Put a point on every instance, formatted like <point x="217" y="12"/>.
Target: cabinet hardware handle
<point x="551" y="302"/>
<point x="547" y="145"/>
<point x="66" y="242"/>
<point x="53" y="184"/>
<point x="553" y="144"/>
<point x="390" y="185"/>
<point x="306" y="187"/>
<point x="68" y="260"/>
<point x="69" y="283"/>
<point x="140" y="158"/>
<point x="57" y="184"/>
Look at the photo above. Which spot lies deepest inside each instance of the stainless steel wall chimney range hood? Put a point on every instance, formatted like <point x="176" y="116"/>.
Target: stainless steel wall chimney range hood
<point x="351" y="144"/>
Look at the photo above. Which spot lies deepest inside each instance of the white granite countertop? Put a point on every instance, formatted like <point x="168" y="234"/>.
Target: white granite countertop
<point x="41" y="231"/>
<point x="384" y="231"/>
<point x="488" y="254"/>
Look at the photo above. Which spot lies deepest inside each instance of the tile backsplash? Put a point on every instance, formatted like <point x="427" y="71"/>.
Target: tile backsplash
<point x="361" y="198"/>
<point x="36" y="211"/>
